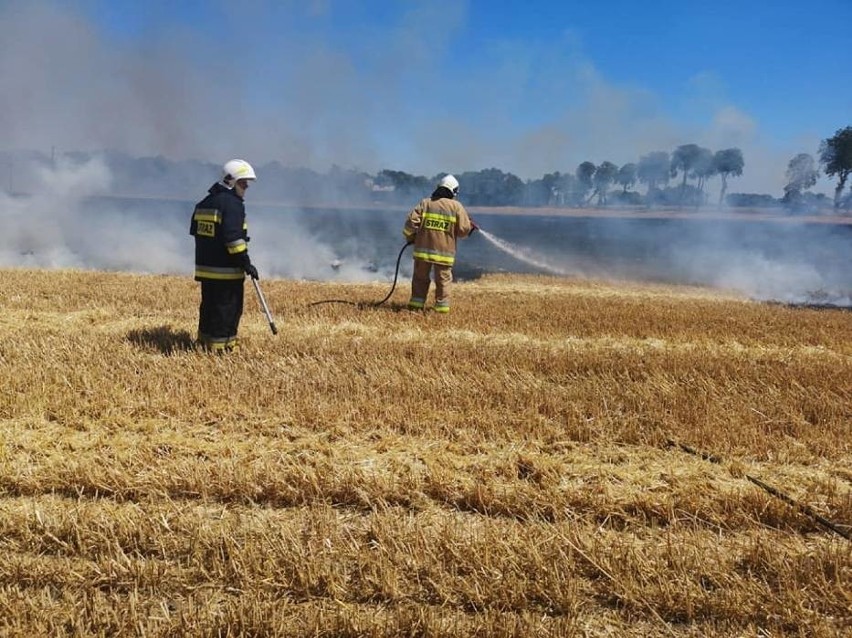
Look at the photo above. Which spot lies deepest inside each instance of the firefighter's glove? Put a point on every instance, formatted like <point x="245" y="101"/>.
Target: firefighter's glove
<point x="251" y="270"/>
<point x="473" y="227"/>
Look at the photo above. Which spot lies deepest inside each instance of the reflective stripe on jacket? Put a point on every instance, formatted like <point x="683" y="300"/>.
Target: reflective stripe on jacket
<point x="221" y="235"/>
<point x="434" y="225"/>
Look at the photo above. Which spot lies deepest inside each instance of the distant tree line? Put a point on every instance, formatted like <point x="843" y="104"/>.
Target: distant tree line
<point x="602" y="185"/>
<point x="680" y="178"/>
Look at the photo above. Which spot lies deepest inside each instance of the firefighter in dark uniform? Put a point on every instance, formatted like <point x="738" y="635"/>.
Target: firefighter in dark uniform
<point x="221" y="257"/>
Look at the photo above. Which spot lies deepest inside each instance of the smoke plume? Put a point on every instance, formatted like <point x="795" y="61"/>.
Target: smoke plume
<point x="279" y="87"/>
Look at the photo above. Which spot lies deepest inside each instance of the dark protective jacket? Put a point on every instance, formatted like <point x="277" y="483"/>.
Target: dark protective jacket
<point x="221" y="235"/>
<point x="434" y="225"/>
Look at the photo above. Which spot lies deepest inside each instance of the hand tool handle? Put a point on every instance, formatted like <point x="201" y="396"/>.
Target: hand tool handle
<point x="264" y="306"/>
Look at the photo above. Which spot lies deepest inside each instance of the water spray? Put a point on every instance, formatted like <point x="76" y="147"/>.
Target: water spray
<point x="522" y="254"/>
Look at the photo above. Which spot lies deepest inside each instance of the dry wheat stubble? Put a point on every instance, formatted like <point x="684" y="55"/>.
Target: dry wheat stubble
<point x="501" y="471"/>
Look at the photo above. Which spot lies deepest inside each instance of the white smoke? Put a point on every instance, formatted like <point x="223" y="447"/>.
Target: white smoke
<point x="286" y="248"/>
<point x="70" y="221"/>
<point x="767" y="261"/>
<point x="529" y="108"/>
<point x="782" y="278"/>
<point x="57" y="227"/>
<point x="45" y="230"/>
<point x="315" y="101"/>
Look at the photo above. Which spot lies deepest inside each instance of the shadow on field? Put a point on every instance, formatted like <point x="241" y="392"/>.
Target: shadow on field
<point x="161" y="339"/>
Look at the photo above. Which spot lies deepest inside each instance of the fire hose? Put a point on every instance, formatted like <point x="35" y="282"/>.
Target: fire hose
<point x="801" y="507"/>
<point x="374" y="304"/>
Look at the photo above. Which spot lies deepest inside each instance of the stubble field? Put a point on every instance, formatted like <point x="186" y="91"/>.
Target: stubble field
<point x="520" y="467"/>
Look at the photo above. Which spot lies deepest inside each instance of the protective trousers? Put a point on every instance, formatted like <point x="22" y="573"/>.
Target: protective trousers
<point x="420" y="285"/>
<point x="219" y="314"/>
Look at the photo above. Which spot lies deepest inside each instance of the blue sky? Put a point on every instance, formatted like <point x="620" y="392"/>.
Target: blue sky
<point x="428" y="86"/>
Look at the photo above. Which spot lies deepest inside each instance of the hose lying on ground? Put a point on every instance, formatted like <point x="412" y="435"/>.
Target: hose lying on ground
<point x="804" y="509"/>
<point x="367" y="304"/>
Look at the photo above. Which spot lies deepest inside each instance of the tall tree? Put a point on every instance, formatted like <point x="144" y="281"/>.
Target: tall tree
<point x="568" y="187"/>
<point x="402" y="182"/>
<point x="603" y="178"/>
<point x="684" y="158"/>
<point x="654" y="169"/>
<point x="626" y="177"/>
<point x="801" y="175"/>
<point x="585" y="172"/>
<point x="491" y="187"/>
<point x="728" y="163"/>
<point x="547" y="190"/>
<point x="835" y="155"/>
<point x="703" y="169"/>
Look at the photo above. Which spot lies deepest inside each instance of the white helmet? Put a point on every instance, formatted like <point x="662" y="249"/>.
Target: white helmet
<point x="450" y="183"/>
<point x="236" y="169"/>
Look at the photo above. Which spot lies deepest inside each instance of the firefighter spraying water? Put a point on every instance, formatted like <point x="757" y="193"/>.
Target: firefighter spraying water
<point x="433" y="226"/>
